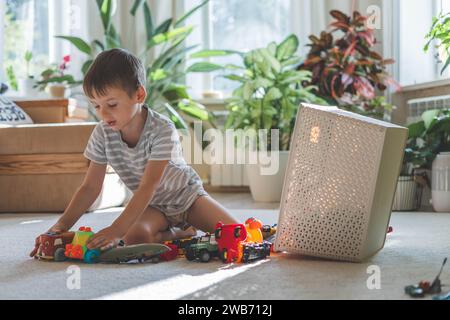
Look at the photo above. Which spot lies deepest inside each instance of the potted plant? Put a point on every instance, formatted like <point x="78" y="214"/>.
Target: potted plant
<point x="346" y="70"/>
<point x="269" y="94"/>
<point x="24" y="86"/>
<point x="55" y="79"/>
<point x="428" y="148"/>
<point x="437" y="137"/>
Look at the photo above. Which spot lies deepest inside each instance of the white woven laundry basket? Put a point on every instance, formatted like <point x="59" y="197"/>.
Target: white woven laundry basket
<point x="339" y="185"/>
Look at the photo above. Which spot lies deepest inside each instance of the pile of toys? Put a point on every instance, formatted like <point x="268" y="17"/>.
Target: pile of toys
<point x="73" y="245"/>
<point x="231" y="243"/>
<point x="424" y="288"/>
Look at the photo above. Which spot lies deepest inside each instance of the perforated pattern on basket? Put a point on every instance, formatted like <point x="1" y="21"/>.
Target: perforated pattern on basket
<point x="329" y="185"/>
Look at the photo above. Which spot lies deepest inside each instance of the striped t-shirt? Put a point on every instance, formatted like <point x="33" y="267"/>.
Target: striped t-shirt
<point x="180" y="185"/>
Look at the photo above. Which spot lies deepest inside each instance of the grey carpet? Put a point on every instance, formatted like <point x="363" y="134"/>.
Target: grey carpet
<point x="413" y="252"/>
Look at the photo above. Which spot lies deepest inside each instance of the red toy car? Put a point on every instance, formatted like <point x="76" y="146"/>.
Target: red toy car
<point x="228" y="239"/>
<point x="172" y="254"/>
<point x="52" y="246"/>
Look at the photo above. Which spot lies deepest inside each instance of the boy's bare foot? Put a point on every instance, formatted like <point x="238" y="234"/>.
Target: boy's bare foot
<point x="191" y="232"/>
<point x="180" y="234"/>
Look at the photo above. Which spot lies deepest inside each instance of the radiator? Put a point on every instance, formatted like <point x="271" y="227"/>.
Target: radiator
<point x="223" y="175"/>
<point x="418" y="106"/>
<point x="228" y="175"/>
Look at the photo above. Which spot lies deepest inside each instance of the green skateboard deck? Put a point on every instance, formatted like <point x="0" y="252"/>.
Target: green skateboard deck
<point x="140" y="252"/>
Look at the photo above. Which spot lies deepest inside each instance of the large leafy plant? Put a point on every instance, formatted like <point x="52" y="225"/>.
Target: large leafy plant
<point x="163" y="73"/>
<point x="427" y="138"/>
<point x="346" y="69"/>
<point x="270" y="89"/>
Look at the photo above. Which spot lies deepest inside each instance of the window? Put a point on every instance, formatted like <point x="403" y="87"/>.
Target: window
<point x="235" y="25"/>
<point x="30" y="25"/>
<point x="25" y="27"/>
<point x="415" y="18"/>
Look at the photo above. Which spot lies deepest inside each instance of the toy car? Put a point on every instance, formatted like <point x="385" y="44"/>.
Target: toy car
<point x="51" y="246"/>
<point x="253" y="227"/>
<point x="255" y="251"/>
<point x="425" y="287"/>
<point x="78" y="249"/>
<point x="228" y="239"/>
<point x="182" y="244"/>
<point x="171" y="254"/>
<point x="204" y="249"/>
<point x="232" y="244"/>
<point x="140" y="252"/>
<point x="268" y="231"/>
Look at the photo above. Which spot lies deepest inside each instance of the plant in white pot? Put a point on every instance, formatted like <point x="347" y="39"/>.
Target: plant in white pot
<point x="26" y="85"/>
<point x="431" y="138"/>
<point x="268" y="97"/>
<point x="23" y="85"/>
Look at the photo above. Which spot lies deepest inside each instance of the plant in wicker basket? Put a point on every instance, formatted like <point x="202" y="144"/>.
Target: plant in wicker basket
<point x="346" y="69"/>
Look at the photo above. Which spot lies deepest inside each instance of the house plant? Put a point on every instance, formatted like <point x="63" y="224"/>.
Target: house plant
<point x="428" y="148"/>
<point x="56" y="80"/>
<point x="439" y="33"/>
<point x="24" y="85"/>
<point x="164" y="92"/>
<point x="269" y="93"/>
<point x="346" y="69"/>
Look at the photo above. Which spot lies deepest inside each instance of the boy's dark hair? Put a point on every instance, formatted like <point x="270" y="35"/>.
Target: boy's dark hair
<point x="115" y="67"/>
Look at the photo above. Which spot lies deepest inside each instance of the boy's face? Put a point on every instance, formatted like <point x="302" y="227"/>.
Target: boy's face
<point x="116" y="108"/>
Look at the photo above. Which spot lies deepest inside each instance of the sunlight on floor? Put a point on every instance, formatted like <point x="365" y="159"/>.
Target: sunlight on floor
<point x="179" y="286"/>
<point x="31" y="221"/>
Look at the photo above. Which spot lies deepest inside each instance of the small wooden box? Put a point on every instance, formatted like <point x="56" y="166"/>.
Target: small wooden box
<point x="42" y="165"/>
<point x="45" y="111"/>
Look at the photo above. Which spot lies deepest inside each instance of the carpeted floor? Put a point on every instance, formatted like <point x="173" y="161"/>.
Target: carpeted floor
<point x="413" y="252"/>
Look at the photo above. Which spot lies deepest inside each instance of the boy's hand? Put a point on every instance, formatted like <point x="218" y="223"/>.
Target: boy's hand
<point x="104" y="239"/>
<point x="58" y="227"/>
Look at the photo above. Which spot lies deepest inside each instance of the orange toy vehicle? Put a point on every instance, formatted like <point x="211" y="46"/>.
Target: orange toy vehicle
<point x="254" y="233"/>
<point x="51" y="246"/>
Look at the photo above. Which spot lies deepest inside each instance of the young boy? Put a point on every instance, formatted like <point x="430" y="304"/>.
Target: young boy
<point x="144" y="149"/>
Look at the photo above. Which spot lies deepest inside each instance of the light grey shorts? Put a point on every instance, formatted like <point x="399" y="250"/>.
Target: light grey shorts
<point x="179" y="220"/>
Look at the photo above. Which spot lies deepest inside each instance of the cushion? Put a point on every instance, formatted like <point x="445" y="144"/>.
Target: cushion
<point x="11" y="114"/>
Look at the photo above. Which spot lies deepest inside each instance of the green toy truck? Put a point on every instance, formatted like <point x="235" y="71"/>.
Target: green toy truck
<point x="205" y="249"/>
